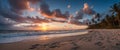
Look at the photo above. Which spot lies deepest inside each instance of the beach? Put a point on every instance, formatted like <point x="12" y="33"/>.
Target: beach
<point x="95" y="39"/>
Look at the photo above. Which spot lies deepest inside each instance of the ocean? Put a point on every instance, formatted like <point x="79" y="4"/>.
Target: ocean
<point x="16" y="36"/>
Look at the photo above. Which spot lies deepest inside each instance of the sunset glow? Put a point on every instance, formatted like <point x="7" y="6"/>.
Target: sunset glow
<point x="59" y="24"/>
<point x="44" y="27"/>
<point x="31" y="14"/>
<point x="50" y="26"/>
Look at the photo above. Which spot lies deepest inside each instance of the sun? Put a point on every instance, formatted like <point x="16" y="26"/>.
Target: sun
<point x="44" y="27"/>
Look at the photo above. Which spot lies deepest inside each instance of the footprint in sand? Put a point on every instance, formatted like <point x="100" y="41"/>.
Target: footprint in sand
<point x="118" y="45"/>
<point x="34" y="46"/>
<point x="75" y="46"/>
<point x="53" y="45"/>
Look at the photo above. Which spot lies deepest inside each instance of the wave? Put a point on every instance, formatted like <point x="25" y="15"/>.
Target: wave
<point x="19" y="36"/>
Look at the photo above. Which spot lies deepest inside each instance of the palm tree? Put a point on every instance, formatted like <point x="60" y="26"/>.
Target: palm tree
<point x="107" y="19"/>
<point x="110" y="21"/>
<point x="98" y="17"/>
<point x="93" y="20"/>
<point x="115" y="9"/>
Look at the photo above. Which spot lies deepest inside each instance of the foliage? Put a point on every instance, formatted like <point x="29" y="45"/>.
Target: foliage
<point x="110" y="21"/>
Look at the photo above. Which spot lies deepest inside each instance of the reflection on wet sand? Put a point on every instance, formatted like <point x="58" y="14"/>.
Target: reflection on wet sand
<point x="20" y="36"/>
<point x="46" y="37"/>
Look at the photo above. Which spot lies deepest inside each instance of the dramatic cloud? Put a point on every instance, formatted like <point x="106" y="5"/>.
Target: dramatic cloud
<point x="36" y="19"/>
<point x="45" y="11"/>
<point x="7" y="13"/>
<point x="5" y="23"/>
<point x="35" y="1"/>
<point x="13" y="11"/>
<point x="86" y="21"/>
<point x="13" y="16"/>
<point x="79" y="14"/>
<point x="57" y="13"/>
<point x="73" y="20"/>
<point x="76" y="22"/>
<point x="9" y="17"/>
<point x="88" y="10"/>
<point x="19" y="5"/>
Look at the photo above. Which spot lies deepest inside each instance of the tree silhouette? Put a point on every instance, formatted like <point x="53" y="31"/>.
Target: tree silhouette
<point x="115" y="9"/>
<point x="110" y="21"/>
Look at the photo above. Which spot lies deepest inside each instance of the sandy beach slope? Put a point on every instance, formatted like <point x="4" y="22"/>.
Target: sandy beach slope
<point x="94" y="40"/>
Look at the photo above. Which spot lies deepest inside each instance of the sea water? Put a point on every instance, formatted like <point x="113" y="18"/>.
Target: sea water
<point x="20" y="36"/>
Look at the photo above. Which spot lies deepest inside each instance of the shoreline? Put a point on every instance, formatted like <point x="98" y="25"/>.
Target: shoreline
<point x="9" y="38"/>
<point x="94" y="40"/>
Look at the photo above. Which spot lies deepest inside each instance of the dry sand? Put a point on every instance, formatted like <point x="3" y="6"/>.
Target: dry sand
<point x="94" y="40"/>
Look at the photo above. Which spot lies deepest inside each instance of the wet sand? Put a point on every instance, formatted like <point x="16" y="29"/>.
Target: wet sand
<point x="94" y="40"/>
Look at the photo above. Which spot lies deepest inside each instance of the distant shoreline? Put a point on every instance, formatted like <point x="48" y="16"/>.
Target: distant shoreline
<point x="5" y="31"/>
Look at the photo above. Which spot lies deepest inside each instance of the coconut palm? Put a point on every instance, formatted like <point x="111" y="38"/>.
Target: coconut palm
<point x="115" y="9"/>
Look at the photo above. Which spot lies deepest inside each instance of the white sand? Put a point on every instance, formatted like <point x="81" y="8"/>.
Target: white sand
<point x="94" y="40"/>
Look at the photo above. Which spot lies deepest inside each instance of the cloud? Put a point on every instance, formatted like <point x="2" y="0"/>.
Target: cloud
<point x="35" y="1"/>
<point x="37" y="19"/>
<point x="13" y="16"/>
<point x="79" y="14"/>
<point x="76" y="22"/>
<point x="45" y="11"/>
<point x="19" y="5"/>
<point x="57" y="13"/>
<point x="72" y="20"/>
<point x="22" y="4"/>
<point x="88" y="10"/>
<point x="9" y="17"/>
<point x="14" y="8"/>
<point x="4" y="20"/>
<point x="7" y="13"/>
<point x="68" y="6"/>
<point x="5" y="23"/>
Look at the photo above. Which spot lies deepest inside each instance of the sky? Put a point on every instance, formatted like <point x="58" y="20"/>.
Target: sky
<point x="32" y="14"/>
